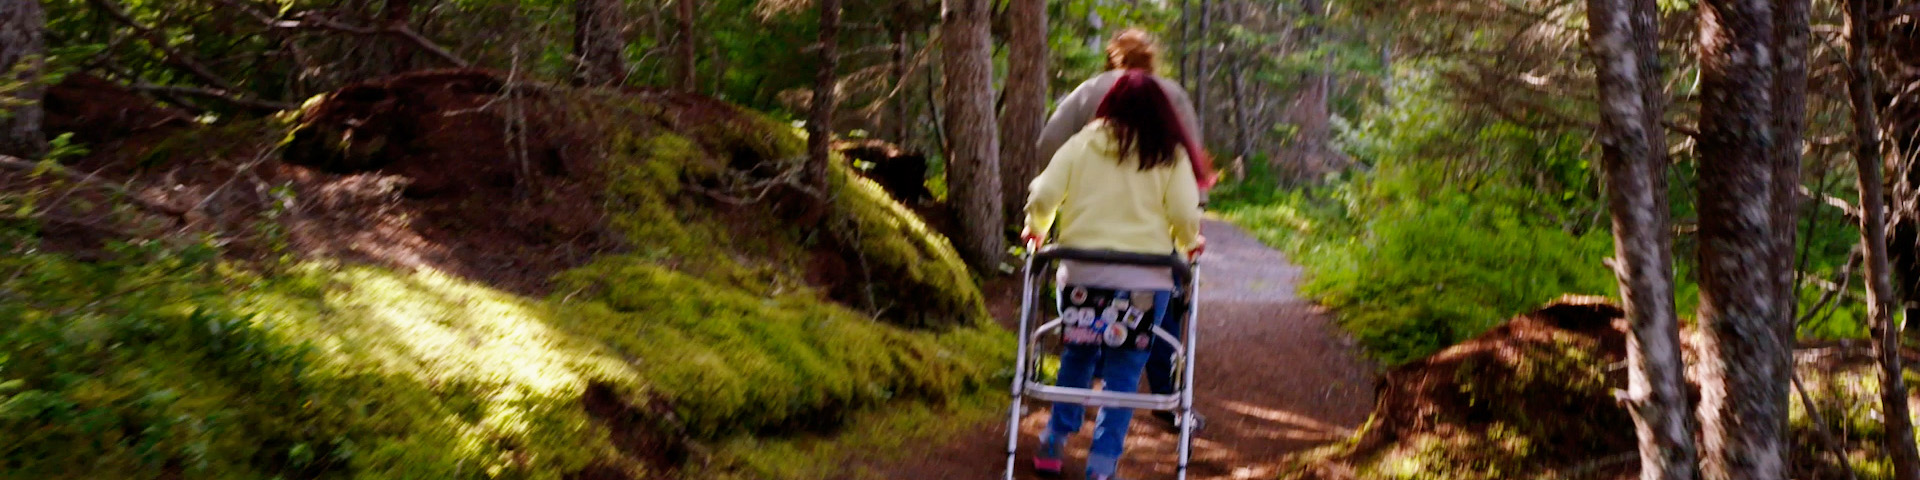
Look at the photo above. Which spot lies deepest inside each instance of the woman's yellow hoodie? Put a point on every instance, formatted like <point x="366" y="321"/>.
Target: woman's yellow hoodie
<point x="1107" y="203"/>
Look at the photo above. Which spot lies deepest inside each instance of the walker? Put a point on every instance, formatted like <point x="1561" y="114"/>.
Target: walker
<point x="1026" y="380"/>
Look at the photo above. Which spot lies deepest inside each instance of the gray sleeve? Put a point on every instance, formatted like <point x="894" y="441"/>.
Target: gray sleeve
<point x="1070" y="115"/>
<point x="1183" y="107"/>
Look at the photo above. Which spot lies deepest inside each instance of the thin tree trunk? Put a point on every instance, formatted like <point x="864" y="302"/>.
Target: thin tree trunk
<point x="1026" y="108"/>
<point x="1203" y="71"/>
<point x="1186" y="42"/>
<point x="973" y="169"/>
<point x="1308" y="155"/>
<point x="1790" y="29"/>
<point x="399" y="15"/>
<point x="1633" y="161"/>
<point x="1743" y="404"/>
<point x="22" y="59"/>
<point x="901" y="95"/>
<point x="1242" y="116"/>
<point x="820" y="118"/>
<point x="1791" y="26"/>
<point x="1873" y="236"/>
<point x="684" y="47"/>
<point x="600" y="42"/>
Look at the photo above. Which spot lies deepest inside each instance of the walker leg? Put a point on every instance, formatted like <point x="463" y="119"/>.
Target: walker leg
<point x="1013" y="437"/>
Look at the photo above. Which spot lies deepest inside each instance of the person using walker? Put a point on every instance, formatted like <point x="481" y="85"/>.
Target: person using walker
<point x="1125" y="183"/>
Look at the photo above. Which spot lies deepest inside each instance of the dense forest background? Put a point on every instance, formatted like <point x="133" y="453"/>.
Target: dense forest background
<point x="1434" y="164"/>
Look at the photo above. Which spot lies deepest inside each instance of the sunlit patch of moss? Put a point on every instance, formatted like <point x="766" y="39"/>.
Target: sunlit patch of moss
<point x="909" y="262"/>
<point x="870" y="437"/>
<point x="323" y="369"/>
<point x="733" y="361"/>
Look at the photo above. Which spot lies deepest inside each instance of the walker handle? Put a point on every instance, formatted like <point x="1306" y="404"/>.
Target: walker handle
<point x="1181" y="268"/>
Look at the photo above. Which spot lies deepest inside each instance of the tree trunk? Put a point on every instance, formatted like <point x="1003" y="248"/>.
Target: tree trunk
<point x="1743" y="405"/>
<point x="683" y="47"/>
<point x="1242" y="115"/>
<point x="973" y="171"/>
<point x="22" y="60"/>
<point x="1307" y="155"/>
<point x="1634" y="163"/>
<point x="1026" y="103"/>
<point x="1203" y="71"/>
<point x="1186" y="42"/>
<point x="898" y="130"/>
<point x="820" y="116"/>
<point x="1873" y="236"/>
<point x="599" y="40"/>
<point x="1791" y="29"/>
<point x="399" y="14"/>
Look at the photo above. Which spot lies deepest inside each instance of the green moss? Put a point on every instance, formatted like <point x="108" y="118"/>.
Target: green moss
<point x="906" y="262"/>
<point x="870" y="437"/>
<point x="322" y="370"/>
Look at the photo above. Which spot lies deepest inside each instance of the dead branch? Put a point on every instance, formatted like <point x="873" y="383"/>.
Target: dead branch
<point x="314" y="20"/>
<point x="1826" y="436"/>
<point x="214" y="94"/>
<point x="1833" y="288"/>
<point x="1847" y="209"/>
<point x="317" y="20"/>
<point x="1910" y="9"/>
<point x="159" y="42"/>
<point x="24" y="165"/>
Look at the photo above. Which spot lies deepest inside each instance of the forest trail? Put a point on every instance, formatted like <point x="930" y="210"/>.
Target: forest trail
<point x="1275" y="377"/>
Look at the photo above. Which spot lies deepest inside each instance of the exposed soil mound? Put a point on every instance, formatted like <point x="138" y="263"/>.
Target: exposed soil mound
<point x="449" y="169"/>
<point x="1530" y="397"/>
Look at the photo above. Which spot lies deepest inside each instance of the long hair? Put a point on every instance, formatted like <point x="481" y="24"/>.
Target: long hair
<point x="1142" y="120"/>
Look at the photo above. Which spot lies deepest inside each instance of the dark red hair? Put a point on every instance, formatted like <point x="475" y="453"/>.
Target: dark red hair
<point x="1144" y="122"/>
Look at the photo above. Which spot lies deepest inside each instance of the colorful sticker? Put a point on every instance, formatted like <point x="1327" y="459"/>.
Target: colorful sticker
<point x="1108" y="318"/>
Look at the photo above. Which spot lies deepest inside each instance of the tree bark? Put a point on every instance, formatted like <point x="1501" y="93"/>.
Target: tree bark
<point x="1791" y="29"/>
<point x="973" y="169"/>
<point x="1026" y="103"/>
<point x="22" y="60"/>
<point x="1308" y="154"/>
<point x="901" y="95"/>
<point x="1633" y="162"/>
<point x="683" y="47"/>
<point x="1203" y="71"/>
<point x="1186" y="42"/>
<point x="1743" y="407"/>
<point x="820" y="117"/>
<point x="1873" y="237"/>
<point x="599" y="39"/>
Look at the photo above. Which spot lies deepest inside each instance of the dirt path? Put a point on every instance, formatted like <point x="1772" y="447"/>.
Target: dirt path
<point x="1274" y="377"/>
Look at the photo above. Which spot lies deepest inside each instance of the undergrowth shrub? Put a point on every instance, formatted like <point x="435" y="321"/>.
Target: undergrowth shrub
<point x="1446" y="230"/>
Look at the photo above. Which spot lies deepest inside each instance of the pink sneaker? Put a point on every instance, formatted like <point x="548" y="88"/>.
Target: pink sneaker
<point x="1048" y="460"/>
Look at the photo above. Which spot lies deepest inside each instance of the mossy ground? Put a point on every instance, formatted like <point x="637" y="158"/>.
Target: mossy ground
<point x="160" y="362"/>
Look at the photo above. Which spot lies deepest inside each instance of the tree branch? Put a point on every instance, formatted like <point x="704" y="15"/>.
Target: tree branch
<point x="317" y="20"/>
<point x="24" y="165"/>
<point x="1826" y="436"/>
<point x="313" y="20"/>
<point x="253" y="103"/>
<point x="159" y="42"/>
<point x="1910" y="9"/>
<point x="1847" y="209"/>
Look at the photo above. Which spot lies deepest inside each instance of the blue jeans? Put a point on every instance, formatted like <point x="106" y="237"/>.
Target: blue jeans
<point x="1160" y="366"/>
<point x="1120" y="369"/>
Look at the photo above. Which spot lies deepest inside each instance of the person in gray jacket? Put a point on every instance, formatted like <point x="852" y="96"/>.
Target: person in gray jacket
<point x="1132" y="49"/>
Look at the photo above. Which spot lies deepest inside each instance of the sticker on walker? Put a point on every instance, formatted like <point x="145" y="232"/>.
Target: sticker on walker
<point x="1109" y="318"/>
